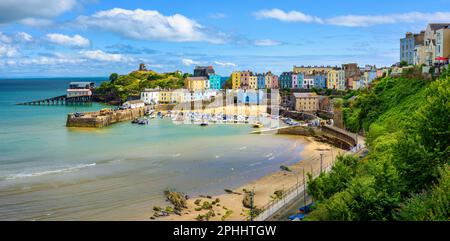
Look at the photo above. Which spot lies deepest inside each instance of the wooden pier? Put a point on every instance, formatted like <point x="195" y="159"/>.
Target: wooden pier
<point x="60" y="100"/>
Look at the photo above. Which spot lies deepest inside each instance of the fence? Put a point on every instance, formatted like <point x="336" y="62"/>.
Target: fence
<point x="288" y="195"/>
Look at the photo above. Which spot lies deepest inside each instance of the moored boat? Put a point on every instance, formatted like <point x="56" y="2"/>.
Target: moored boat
<point x="257" y="125"/>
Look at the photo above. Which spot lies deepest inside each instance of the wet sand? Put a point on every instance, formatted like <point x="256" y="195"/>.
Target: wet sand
<point x="263" y="188"/>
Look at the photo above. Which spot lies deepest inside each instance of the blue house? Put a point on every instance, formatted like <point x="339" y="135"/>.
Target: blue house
<point x="297" y="81"/>
<point x="320" y="81"/>
<point x="261" y="81"/>
<point x="285" y="80"/>
<point x="215" y="82"/>
<point x="250" y="96"/>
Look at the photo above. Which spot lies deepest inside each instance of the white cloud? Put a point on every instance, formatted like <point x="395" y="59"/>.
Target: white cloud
<point x="74" y="41"/>
<point x="22" y="36"/>
<point x="227" y="64"/>
<point x="7" y="50"/>
<point x="266" y="42"/>
<point x="352" y="20"/>
<point x="13" y="10"/>
<point x="36" y="22"/>
<point x="5" y="38"/>
<point x="189" y="62"/>
<point x="148" y="25"/>
<point x="369" y="20"/>
<point x="44" y="60"/>
<point x="99" y="55"/>
<point x="292" y="16"/>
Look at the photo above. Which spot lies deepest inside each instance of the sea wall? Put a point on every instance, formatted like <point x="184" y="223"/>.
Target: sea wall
<point x="323" y="134"/>
<point x="101" y="119"/>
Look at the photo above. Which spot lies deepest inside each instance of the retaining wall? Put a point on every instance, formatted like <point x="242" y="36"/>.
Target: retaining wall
<point x="98" y="120"/>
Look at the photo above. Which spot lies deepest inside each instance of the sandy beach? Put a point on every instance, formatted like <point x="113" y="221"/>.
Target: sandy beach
<point x="264" y="188"/>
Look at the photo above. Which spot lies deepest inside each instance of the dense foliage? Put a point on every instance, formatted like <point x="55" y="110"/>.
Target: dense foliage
<point x="120" y="87"/>
<point x="406" y="174"/>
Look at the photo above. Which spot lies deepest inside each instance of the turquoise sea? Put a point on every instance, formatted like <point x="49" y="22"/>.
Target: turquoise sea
<point x="50" y="172"/>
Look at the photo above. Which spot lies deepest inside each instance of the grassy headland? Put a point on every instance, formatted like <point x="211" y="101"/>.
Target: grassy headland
<point x="406" y="174"/>
<point x="121" y="87"/>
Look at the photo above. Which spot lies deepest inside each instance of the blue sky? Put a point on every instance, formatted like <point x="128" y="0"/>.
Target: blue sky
<point x="44" y="38"/>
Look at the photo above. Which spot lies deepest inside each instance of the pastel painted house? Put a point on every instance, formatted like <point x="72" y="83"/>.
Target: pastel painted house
<point x="308" y="82"/>
<point x="320" y="81"/>
<point x="253" y="82"/>
<point x="150" y="96"/>
<point x="250" y="96"/>
<point x="369" y="76"/>
<point x="236" y="80"/>
<point x="297" y="81"/>
<point x="275" y="82"/>
<point x="215" y="82"/>
<point x="261" y="82"/>
<point x="286" y="80"/>
<point x="245" y="79"/>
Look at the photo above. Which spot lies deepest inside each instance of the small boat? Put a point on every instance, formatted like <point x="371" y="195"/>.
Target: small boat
<point x="142" y="121"/>
<point x="204" y="123"/>
<point x="257" y="125"/>
<point x="135" y="121"/>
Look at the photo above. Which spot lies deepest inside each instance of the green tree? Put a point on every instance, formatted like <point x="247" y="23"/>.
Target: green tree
<point x="113" y="77"/>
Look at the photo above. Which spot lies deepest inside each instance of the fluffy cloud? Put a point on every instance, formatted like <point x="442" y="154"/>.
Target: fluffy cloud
<point x="148" y="25"/>
<point x="189" y="62"/>
<point x="292" y="16"/>
<point x="7" y="50"/>
<point x="5" y="38"/>
<point x="44" y="60"/>
<point x="74" y="41"/>
<point x="99" y="55"/>
<point x="227" y="64"/>
<point x="266" y="42"/>
<point x="13" y="10"/>
<point x="369" y="20"/>
<point x="22" y="36"/>
<point x="353" y="20"/>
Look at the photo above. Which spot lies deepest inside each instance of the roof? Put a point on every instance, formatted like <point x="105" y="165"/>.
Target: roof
<point x="305" y="95"/>
<point x="435" y="26"/>
<point x="81" y="83"/>
<point x="197" y="78"/>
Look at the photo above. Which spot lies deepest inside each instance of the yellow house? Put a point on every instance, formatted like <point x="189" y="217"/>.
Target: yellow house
<point x="165" y="96"/>
<point x="178" y="95"/>
<point x="253" y="82"/>
<point x="236" y="80"/>
<point x="311" y="70"/>
<point x="335" y="78"/>
<point x="196" y="83"/>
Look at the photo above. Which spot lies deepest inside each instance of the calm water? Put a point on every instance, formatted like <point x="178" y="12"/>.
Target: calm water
<point x="50" y="172"/>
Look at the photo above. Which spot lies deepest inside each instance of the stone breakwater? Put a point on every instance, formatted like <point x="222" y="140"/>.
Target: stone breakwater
<point x="323" y="134"/>
<point x="99" y="119"/>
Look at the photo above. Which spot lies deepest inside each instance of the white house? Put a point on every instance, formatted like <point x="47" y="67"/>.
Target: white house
<point x="150" y="96"/>
<point x="132" y="104"/>
<point x="308" y="82"/>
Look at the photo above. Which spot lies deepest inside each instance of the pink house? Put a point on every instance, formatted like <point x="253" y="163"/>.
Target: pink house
<point x="275" y="84"/>
<point x="379" y="73"/>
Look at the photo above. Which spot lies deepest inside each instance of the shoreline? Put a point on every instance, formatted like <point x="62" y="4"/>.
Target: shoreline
<point x="263" y="187"/>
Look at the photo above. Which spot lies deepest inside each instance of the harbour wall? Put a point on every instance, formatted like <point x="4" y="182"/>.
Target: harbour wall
<point x="324" y="134"/>
<point x="99" y="119"/>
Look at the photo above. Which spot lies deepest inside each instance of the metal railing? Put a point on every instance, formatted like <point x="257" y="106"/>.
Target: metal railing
<point x="289" y="194"/>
